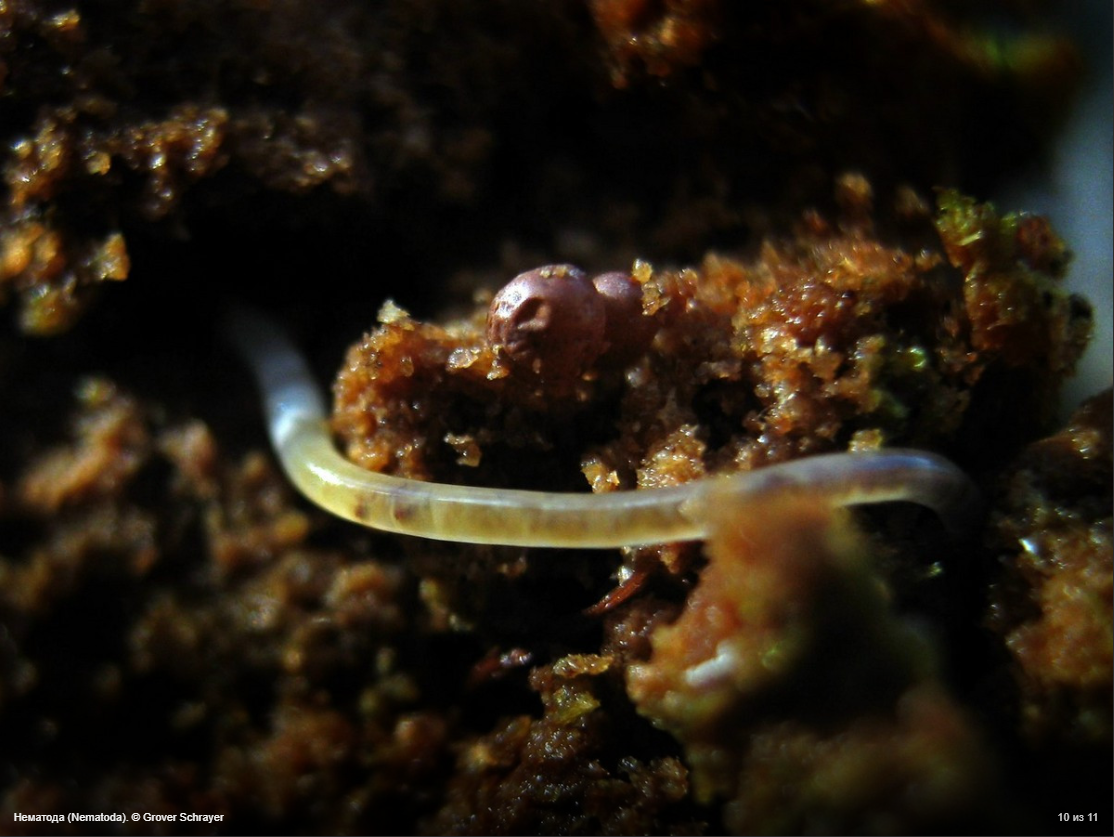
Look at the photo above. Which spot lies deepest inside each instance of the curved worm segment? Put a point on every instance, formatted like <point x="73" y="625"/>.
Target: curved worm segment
<point x="296" y="422"/>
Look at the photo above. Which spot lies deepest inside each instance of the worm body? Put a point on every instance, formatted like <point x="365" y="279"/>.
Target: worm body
<point x="297" y="425"/>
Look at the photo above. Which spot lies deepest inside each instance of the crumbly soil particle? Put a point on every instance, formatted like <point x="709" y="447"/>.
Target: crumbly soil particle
<point x="1052" y="604"/>
<point x="181" y="633"/>
<point x="406" y="135"/>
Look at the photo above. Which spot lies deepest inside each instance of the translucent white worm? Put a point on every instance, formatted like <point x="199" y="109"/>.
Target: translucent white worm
<point x="297" y="424"/>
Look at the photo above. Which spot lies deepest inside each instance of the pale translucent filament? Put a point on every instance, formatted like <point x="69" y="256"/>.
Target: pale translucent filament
<point x="296" y="419"/>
